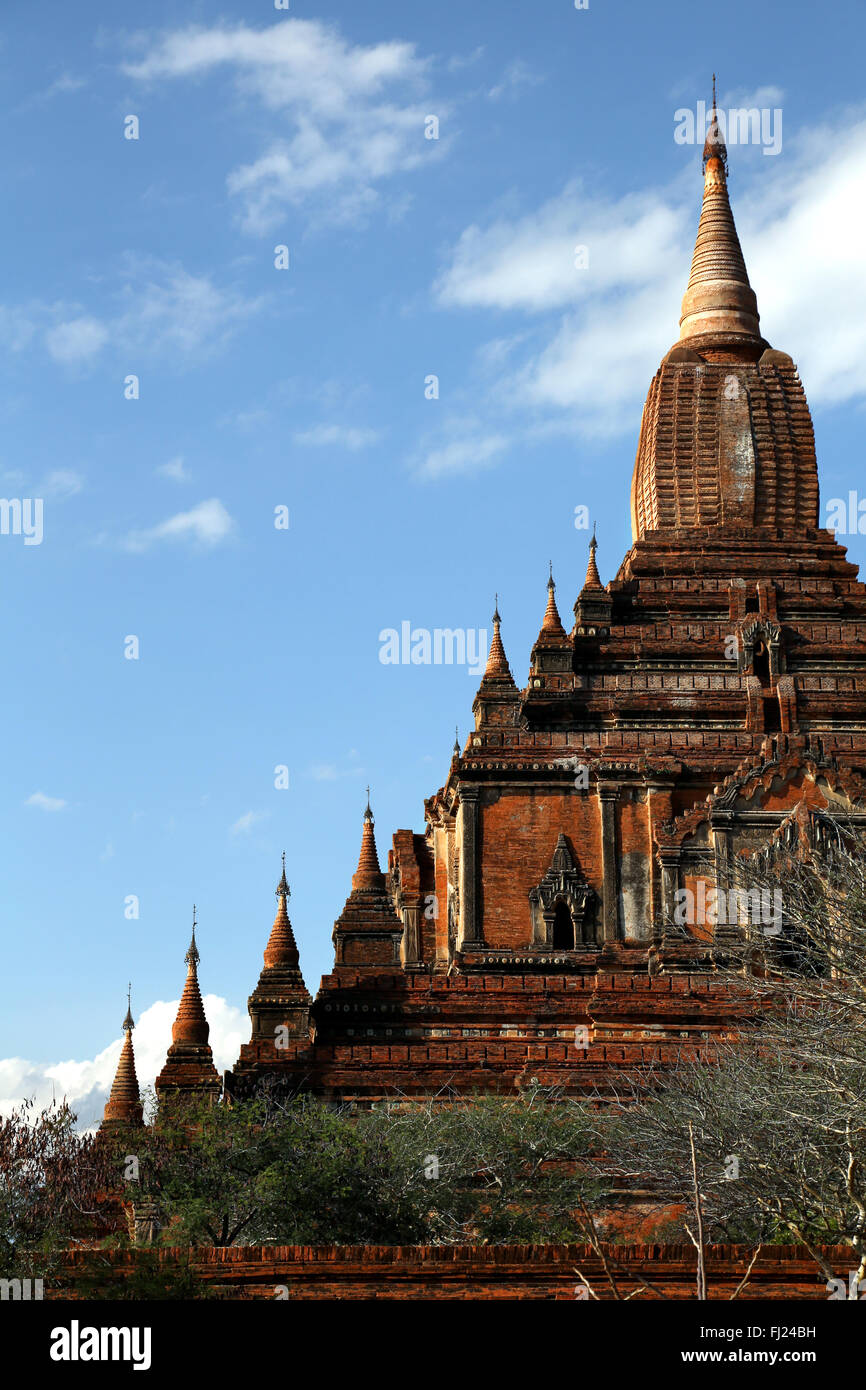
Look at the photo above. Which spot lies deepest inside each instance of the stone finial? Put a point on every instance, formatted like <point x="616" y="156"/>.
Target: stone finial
<point x="593" y="578"/>
<point x="191" y="1025"/>
<point x="497" y="661"/>
<point x="282" y="950"/>
<point x="368" y="874"/>
<point x="123" y="1107"/>
<point x="551" y="623"/>
<point x="718" y="299"/>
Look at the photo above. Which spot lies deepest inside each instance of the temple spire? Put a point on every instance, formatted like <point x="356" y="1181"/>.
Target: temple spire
<point x="719" y="300"/>
<point x="279" y="1006"/>
<point x="282" y="950"/>
<point x="594" y="606"/>
<point x="123" y="1106"/>
<point x="368" y="874"/>
<point x="551" y="625"/>
<point x="189" y="1067"/>
<point x="191" y="1026"/>
<point x="593" y="579"/>
<point x="497" y="661"/>
<point x="368" y="933"/>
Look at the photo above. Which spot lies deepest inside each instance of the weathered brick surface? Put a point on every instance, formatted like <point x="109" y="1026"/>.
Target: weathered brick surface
<point x="485" y="1272"/>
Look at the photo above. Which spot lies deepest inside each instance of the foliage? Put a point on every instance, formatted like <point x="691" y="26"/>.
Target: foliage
<point x="53" y="1182"/>
<point x="778" y="1113"/>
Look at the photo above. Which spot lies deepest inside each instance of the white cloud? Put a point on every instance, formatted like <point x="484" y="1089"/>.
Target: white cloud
<point x="467" y="60"/>
<point x="756" y="96"/>
<point x="331" y="772"/>
<point x="324" y="772"/>
<point x="597" y="334"/>
<point x="294" y="61"/>
<point x="76" y="341"/>
<point x="517" y="76"/>
<point x="244" y="824"/>
<point x="153" y="309"/>
<point x="60" y="483"/>
<point x="86" y="1084"/>
<point x="348" y="122"/>
<point x="528" y="263"/>
<point x="18" y="326"/>
<point x="177" y="312"/>
<point x="251" y="419"/>
<point x="207" y="524"/>
<point x="343" y="436"/>
<point x="174" y="469"/>
<point x="60" y="86"/>
<point x="467" y="455"/>
<point x="66" y="83"/>
<point x="45" y="803"/>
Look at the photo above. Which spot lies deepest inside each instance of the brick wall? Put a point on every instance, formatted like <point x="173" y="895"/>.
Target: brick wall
<point x="485" y="1272"/>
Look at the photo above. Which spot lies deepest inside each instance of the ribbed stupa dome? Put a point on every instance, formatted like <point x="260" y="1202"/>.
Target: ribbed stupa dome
<point x="726" y="437"/>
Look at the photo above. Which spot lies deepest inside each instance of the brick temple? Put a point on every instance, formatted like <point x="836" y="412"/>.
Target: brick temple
<point x="706" y="701"/>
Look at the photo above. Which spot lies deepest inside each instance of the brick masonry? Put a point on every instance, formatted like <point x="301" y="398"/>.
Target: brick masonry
<point x="706" y="699"/>
<point x="483" y="1272"/>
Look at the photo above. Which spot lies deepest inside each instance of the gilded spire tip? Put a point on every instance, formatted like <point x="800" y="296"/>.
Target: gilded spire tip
<point x="283" y="885"/>
<point x="714" y="144"/>
<point x="128" y="1022"/>
<point x="192" y="956"/>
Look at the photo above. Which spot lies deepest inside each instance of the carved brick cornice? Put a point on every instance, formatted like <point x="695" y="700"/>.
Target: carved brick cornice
<point x="781" y="757"/>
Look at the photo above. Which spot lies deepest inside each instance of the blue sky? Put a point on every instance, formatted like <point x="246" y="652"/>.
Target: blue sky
<point x="305" y="388"/>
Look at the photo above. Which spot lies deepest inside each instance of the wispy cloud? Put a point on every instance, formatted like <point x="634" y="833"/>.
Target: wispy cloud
<point x="469" y="454"/>
<point x="465" y="60"/>
<point x="516" y="78"/>
<point x="346" y="108"/>
<point x="60" y="483"/>
<point x="77" y="340"/>
<point x="244" y="824"/>
<point x="324" y="772"/>
<point x="597" y="322"/>
<point x="174" y="469"/>
<point x="341" y="436"/>
<point x="45" y="803"/>
<point x="153" y="309"/>
<point x="332" y="772"/>
<point x="206" y="525"/>
<point x="171" y="310"/>
<point x="19" y="325"/>
<point x="63" y="85"/>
